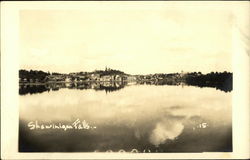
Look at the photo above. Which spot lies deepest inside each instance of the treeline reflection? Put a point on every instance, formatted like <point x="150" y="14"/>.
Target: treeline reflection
<point x="226" y="87"/>
<point x="106" y="86"/>
<point x="39" y="88"/>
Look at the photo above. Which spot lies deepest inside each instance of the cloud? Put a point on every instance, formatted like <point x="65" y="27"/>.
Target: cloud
<point x="166" y="129"/>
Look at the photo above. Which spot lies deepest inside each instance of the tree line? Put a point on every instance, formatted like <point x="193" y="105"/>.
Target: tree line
<point x="33" y="74"/>
<point x="222" y="81"/>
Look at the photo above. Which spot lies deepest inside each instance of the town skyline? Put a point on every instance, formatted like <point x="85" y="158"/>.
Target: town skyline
<point x="213" y="79"/>
<point x="182" y="71"/>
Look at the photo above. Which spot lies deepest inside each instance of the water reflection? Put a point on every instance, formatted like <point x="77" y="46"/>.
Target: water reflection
<point x="105" y="86"/>
<point x="31" y="89"/>
<point x="39" y="88"/>
<point x="226" y="87"/>
<point x="143" y="118"/>
<point x="167" y="129"/>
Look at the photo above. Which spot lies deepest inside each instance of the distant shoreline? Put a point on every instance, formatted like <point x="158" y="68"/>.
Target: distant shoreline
<point x="60" y="82"/>
<point x="218" y="80"/>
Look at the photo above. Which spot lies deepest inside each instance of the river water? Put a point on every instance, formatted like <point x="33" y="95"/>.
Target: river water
<point x="131" y="118"/>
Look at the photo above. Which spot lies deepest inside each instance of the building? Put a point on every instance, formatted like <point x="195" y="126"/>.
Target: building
<point x="95" y="76"/>
<point x="106" y="78"/>
<point x="23" y="80"/>
<point x="118" y="78"/>
<point x="56" y="78"/>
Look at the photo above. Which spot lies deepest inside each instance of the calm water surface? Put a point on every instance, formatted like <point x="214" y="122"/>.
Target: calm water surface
<point x="146" y="118"/>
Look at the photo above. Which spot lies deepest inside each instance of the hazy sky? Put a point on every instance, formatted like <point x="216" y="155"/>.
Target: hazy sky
<point x="137" y="39"/>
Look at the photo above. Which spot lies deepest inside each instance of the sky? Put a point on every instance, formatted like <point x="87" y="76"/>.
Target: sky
<point x="136" y="39"/>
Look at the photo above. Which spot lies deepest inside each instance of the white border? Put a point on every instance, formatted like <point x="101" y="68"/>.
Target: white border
<point x="9" y="82"/>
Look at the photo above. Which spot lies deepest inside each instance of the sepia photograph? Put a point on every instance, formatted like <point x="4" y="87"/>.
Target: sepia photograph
<point x="126" y="78"/>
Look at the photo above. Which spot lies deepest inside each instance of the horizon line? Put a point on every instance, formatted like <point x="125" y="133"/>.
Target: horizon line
<point x="182" y="71"/>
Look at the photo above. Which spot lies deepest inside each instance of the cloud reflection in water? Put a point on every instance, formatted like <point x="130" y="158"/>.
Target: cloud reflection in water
<point x="167" y="129"/>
